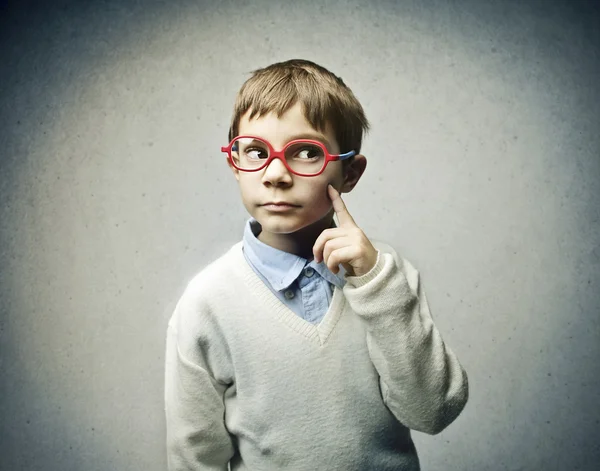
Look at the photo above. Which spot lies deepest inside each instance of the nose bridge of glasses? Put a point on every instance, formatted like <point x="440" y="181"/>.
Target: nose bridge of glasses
<point x="277" y="163"/>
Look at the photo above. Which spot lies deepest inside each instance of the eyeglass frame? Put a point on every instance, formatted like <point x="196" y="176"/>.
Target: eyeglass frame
<point x="273" y="154"/>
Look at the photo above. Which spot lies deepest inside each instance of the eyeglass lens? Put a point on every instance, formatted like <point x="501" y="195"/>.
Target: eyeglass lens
<point x="302" y="157"/>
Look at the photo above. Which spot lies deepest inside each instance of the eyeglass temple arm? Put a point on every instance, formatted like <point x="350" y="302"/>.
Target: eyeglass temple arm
<point x="346" y="155"/>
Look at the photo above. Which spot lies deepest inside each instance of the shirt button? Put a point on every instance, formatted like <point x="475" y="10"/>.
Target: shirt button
<point x="289" y="294"/>
<point x="309" y="272"/>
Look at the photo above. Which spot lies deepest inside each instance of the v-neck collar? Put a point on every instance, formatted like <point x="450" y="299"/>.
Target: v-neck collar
<point x="319" y="332"/>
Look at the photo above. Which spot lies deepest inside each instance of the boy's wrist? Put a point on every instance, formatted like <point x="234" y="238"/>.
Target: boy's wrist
<point x="361" y="280"/>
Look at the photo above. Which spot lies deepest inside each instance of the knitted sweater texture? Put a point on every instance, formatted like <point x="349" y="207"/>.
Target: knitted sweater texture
<point x="249" y="385"/>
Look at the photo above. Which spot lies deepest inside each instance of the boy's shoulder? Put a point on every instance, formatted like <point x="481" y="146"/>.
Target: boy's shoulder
<point x="198" y="304"/>
<point x="223" y="267"/>
<point x="216" y="279"/>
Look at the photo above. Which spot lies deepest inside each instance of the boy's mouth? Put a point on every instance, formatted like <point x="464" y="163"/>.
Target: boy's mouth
<point x="279" y="206"/>
<point x="279" y="203"/>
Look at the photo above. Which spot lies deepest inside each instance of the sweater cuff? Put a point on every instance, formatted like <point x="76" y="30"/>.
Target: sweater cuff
<point x="358" y="281"/>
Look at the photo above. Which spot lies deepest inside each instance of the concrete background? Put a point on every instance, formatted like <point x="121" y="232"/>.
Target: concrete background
<point x="484" y="171"/>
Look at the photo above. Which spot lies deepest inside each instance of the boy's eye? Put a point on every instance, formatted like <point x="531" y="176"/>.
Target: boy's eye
<point x="308" y="152"/>
<point x="256" y="153"/>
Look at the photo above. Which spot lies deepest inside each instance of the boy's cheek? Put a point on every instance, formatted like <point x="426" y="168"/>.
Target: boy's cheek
<point x="321" y="206"/>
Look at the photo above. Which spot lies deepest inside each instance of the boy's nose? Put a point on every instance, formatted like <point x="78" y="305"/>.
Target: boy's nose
<point x="276" y="172"/>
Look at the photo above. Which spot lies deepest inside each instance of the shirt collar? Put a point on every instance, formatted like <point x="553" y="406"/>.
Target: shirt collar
<point x="281" y="268"/>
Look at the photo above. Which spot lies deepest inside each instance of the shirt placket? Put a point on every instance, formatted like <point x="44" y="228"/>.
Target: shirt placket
<point x="314" y="300"/>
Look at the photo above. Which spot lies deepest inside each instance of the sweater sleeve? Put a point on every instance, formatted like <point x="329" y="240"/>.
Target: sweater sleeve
<point x="421" y="379"/>
<point x="197" y="438"/>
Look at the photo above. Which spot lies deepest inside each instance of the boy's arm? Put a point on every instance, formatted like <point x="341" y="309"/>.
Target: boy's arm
<point x="422" y="381"/>
<point x="197" y="438"/>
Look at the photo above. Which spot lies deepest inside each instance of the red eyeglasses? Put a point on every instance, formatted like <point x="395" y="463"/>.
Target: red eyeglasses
<point x="303" y="157"/>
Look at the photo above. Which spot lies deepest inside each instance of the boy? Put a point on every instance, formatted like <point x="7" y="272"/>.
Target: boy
<point x="306" y="346"/>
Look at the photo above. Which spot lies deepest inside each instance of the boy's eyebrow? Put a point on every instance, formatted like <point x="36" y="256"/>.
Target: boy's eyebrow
<point x="310" y="135"/>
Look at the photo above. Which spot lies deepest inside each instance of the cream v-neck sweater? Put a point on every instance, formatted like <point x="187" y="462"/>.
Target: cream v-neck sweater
<point x="251" y="385"/>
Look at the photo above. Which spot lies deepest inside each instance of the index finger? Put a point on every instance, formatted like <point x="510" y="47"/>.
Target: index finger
<point x="340" y="209"/>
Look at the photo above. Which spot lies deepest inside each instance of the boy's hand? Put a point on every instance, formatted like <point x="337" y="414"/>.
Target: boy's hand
<point x="346" y="244"/>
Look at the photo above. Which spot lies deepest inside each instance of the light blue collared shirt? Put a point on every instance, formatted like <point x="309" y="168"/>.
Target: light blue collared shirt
<point x="304" y="286"/>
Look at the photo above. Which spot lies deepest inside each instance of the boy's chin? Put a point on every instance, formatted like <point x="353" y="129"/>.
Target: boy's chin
<point x="288" y="225"/>
<point x="281" y="227"/>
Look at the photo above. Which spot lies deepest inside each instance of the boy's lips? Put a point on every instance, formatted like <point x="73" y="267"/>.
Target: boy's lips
<point x="279" y="206"/>
<point x="279" y="203"/>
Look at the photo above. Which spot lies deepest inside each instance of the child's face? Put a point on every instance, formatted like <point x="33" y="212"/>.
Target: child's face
<point x="275" y="183"/>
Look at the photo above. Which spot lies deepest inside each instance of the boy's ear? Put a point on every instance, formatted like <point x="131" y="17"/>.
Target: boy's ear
<point x="236" y="172"/>
<point x="353" y="172"/>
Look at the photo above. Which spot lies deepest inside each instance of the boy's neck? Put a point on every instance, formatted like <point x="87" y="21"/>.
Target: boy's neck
<point x="301" y="242"/>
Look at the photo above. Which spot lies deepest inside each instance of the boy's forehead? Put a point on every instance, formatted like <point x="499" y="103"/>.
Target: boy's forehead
<point x="292" y="124"/>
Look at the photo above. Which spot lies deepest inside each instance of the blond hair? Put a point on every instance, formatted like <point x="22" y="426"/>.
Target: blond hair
<point x="326" y="99"/>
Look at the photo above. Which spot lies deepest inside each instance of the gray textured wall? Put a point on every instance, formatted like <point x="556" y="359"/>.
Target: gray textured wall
<point x="484" y="171"/>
